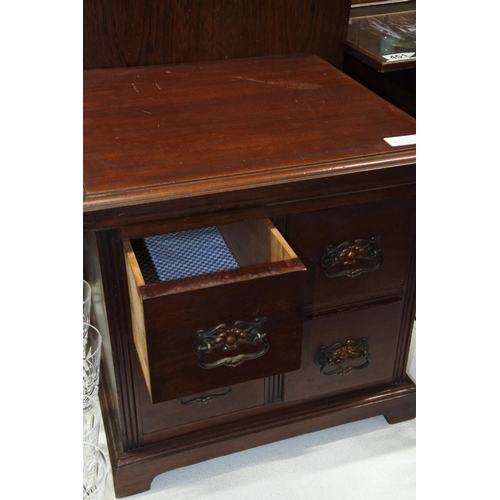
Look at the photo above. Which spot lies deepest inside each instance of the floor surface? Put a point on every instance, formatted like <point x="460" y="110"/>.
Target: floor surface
<point x="366" y="460"/>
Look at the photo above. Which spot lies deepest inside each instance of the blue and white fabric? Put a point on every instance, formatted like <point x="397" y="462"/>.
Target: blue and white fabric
<point x="187" y="253"/>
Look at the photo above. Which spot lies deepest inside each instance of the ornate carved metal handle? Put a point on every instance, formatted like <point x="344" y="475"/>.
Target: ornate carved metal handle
<point x="203" y="400"/>
<point x="338" y="353"/>
<point x="224" y="338"/>
<point x="337" y="257"/>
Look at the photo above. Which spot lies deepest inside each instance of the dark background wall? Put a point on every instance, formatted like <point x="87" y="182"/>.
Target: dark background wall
<point x="140" y="32"/>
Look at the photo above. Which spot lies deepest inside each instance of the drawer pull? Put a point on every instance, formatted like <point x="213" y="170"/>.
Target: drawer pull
<point x="336" y="257"/>
<point x="338" y="353"/>
<point x="222" y="338"/>
<point x="203" y="400"/>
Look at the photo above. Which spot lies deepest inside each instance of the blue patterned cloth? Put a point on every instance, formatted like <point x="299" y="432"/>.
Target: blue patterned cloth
<point x="188" y="253"/>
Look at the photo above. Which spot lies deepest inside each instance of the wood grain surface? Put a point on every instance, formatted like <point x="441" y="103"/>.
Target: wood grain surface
<point x="119" y="33"/>
<point x="154" y="131"/>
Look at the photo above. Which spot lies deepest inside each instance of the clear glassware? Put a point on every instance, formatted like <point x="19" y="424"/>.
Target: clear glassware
<point x="87" y="302"/>
<point x="95" y="471"/>
<point x="91" y="367"/>
<point x="85" y="332"/>
<point x="92" y="424"/>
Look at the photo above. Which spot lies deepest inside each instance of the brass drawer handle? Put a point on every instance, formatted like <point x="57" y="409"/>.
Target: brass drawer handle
<point x="223" y="338"/>
<point x="203" y="400"/>
<point x="338" y="353"/>
<point x="337" y="257"/>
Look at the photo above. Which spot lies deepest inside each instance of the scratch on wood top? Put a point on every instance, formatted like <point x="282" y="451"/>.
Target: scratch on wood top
<point x="284" y="83"/>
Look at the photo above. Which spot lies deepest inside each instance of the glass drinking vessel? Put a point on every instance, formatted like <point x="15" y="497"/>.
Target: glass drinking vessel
<point x="92" y="425"/>
<point x="95" y="471"/>
<point x="87" y="302"/>
<point x="91" y="367"/>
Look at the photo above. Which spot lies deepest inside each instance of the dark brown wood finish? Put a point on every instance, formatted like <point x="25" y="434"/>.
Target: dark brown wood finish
<point x="162" y="126"/>
<point x="397" y="87"/>
<point x="139" y="32"/>
<point x="185" y="131"/>
<point x="320" y="161"/>
<point x="118" y="335"/>
<point x="377" y="322"/>
<point x="304" y="190"/>
<point x="199" y="407"/>
<point x="391" y="222"/>
<point x="173" y="363"/>
<point x="137" y="469"/>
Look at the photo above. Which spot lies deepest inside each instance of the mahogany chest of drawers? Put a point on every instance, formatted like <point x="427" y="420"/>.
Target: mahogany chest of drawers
<point x="297" y="314"/>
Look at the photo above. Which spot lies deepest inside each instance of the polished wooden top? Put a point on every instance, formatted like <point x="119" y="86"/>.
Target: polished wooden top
<point x="156" y="132"/>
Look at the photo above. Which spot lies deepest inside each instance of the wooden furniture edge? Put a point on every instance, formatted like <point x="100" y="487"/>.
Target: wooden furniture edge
<point x="135" y="470"/>
<point x="300" y="173"/>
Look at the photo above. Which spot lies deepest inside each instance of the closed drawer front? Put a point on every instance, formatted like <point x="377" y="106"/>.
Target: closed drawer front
<point x="353" y="253"/>
<point x="210" y="331"/>
<point x="202" y="406"/>
<point x="347" y="351"/>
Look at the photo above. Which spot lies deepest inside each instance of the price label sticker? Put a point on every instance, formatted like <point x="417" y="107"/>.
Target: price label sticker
<point x="400" y="56"/>
<point x="402" y="140"/>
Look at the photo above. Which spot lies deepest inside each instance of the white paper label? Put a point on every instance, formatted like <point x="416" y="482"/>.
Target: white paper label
<point x="400" y="56"/>
<point x="402" y="140"/>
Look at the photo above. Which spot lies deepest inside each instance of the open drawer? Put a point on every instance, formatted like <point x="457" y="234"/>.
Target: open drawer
<point x="229" y="326"/>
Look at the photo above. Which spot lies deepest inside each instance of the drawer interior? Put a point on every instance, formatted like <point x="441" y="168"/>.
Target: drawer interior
<point x="203" y="251"/>
<point x="258" y="281"/>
